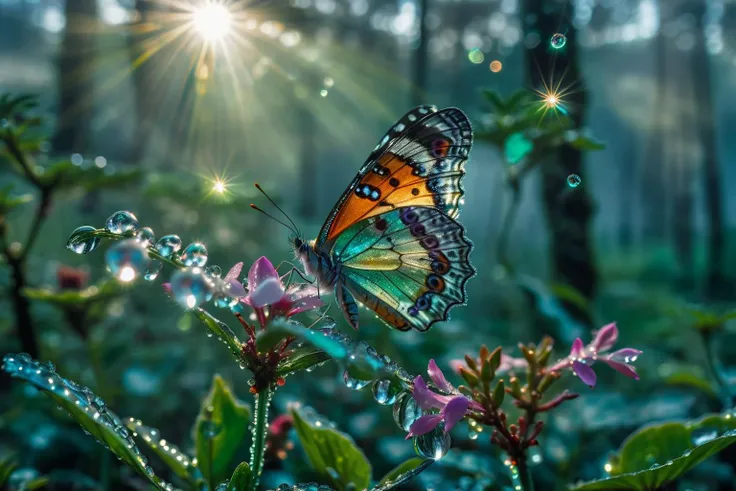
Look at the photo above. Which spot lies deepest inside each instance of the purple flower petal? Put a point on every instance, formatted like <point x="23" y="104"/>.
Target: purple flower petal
<point x="235" y="289"/>
<point x="307" y="303"/>
<point x="454" y="411"/>
<point x="427" y="399"/>
<point x="605" y="338"/>
<point x="627" y="355"/>
<point x="577" y="348"/>
<point x="424" y="424"/>
<point x="234" y="272"/>
<point x="586" y="374"/>
<point x="438" y="377"/>
<point x="261" y="270"/>
<point x="167" y="288"/>
<point x="267" y="292"/>
<point x="627" y="370"/>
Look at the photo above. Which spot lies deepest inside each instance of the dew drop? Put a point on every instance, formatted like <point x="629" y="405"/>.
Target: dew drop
<point x="153" y="270"/>
<point x="121" y="222"/>
<point x="214" y="270"/>
<point x="700" y="436"/>
<point x="352" y="382"/>
<point x="433" y="445"/>
<point x="168" y="245"/>
<point x="145" y="237"/>
<point x="385" y="392"/>
<point x="191" y="287"/>
<point x="406" y="411"/>
<point x="574" y="180"/>
<point x="195" y="255"/>
<point x="82" y="246"/>
<point x="127" y="259"/>
<point x="558" y="41"/>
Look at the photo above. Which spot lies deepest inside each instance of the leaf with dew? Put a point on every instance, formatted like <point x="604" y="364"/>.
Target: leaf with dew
<point x="219" y="431"/>
<point x="241" y="479"/>
<point x="658" y="454"/>
<point x="402" y="473"/>
<point x="333" y="454"/>
<point x="222" y="332"/>
<point x="87" y="409"/>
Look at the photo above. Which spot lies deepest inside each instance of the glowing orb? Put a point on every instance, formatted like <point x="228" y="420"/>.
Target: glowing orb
<point x="126" y="274"/>
<point x="218" y="187"/>
<point x="212" y="21"/>
<point x="496" y="66"/>
<point x="558" y="41"/>
<point x="551" y="100"/>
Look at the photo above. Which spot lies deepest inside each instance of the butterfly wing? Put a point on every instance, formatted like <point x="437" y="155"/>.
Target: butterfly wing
<point x="419" y="162"/>
<point x="409" y="265"/>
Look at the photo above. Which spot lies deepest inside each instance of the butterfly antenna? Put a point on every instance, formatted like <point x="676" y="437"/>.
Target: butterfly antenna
<point x="273" y="218"/>
<point x="295" y="228"/>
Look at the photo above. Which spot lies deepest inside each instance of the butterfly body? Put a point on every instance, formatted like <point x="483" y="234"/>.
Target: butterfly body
<point x="392" y="243"/>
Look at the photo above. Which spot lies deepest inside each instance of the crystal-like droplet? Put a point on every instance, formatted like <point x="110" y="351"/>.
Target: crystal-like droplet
<point x="168" y="245"/>
<point x="433" y="445"/>
<point x="153" y="270"/>
<point x="574" y="180"/>
<point x="191" y="287"/>
<point x="194" y="255"/>
<point x="558" y="41"/>
<point x="127" y="259"/>
<point x="406" y="411"/>
<point x="84" y="246"/>
<point x="121" y="222"/>
<point x="145" y="237"/>
<point x="214" y="270"/>
<point x="354" y="383"/>
<point x="385" y="392"/>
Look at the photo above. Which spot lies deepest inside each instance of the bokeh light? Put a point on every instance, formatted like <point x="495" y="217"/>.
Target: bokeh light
<point x="212" y="21"/>
<point x="476" y="56"/>
<point x="496" y="66"/>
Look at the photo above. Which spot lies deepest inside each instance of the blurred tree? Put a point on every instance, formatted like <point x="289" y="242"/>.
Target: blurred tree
<point x="139" y="62"/>
<point x="627" y="165"/>
<point x="653" y="184"/>
<point x="75" y="77"/>
<point x="704" y="121"/>
<point x="568" y="211"/>
<point x="421" y="55"/>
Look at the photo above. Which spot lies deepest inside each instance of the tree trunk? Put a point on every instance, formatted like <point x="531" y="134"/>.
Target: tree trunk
<point x="627" y="169"/>
<point x="75" y="77"/>
<point x="705" y="124"/>
<point x="141" y="73"/>
<point x="568" y="212"/>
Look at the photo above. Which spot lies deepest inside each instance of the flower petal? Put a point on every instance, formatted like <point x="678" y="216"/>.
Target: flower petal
<point x="235" y="289"/>
<point x="438" y="377"/>
<point x="586" y="374"/>
<point x="605" y="338"/>
<point x="261" y="270"/>
<point x="627" y="355"/>
<point x="454" y="411"/>
<point x="307" y="303"/>
<point x="577" y="348"/>
<point x="456" y="365"/>
<point x="620" y="367"/>
<point x="267" y="292"/>
<point x="234" y="272"/>
<point x="427" y="399"/>
<point x="424" y="424"/>
<point x="510" y="363"/>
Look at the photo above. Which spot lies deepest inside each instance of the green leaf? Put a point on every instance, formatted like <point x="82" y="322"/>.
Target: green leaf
<point x="85" y="408"/>
<point x="333" y="454"/>
<point x="222" y="331"/>
<point x="9" y="201"/>
<point x="301" y="360"/>
<point x="495" y="99"/>
<point x="658" y="454"/>
<point x="691" y="380"/>
<point x="241" y="478"/>
<point x="65" y="175"/>
<point x="586" y="144"/>
<point x="280" y="329"/>
<point x="171" y="455"/>
<point x="7" y="466"/>
<point x="220" y="430"/>
<point x="517" y="99"/>
<point x="402" y="473"/>
<point x="498" y="394"/>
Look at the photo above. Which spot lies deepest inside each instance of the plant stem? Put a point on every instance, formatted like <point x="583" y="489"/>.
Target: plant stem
<point x="260" y="432"/>
<point x="711" y="360"/>
<point x="525" y="477"/>
<point x="508" y="220"/>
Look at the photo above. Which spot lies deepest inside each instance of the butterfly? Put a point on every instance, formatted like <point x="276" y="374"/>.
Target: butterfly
<point x="391" y="242"/>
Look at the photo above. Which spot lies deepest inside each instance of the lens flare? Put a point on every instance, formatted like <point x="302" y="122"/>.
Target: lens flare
<point x="212" y="21"/>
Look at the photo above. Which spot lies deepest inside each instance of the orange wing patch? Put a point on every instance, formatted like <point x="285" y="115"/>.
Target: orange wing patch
<point x="392" y="182"/>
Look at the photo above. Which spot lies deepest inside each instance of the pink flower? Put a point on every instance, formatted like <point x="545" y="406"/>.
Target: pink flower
<point x="265" y="289"/>
<point x="582" y="358"/>
<point x="452" y="405"/>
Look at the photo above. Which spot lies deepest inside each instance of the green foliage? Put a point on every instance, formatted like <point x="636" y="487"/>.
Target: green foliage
<point x="280" y="329"/>
<point x="64" y="175"/>
<point x="241" y="479"/>
<point x="86" y="408"/>
<point x="7" y="466"/>
<point x="403" y="472"/>
<point x="220" y="430"/>
<point x="333" y="454"/>
<point x="105" y="291"/>
<point x="658" y="454"/>
<point x="171" y="455"/>
<point x="10" y="201"/>
<point x="692" y="380"/>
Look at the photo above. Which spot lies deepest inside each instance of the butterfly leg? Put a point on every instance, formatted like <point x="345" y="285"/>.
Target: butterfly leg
<point x="347" y="304"/>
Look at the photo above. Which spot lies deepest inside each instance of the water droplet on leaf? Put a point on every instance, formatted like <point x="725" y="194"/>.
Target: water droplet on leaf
<point x="145" y="237"/>
<point x="385" y="392"/>
<point x="194" y="255"/>
<point x="574" y="180"/>
<point x="353" y="383"/>
<point x="127" y="259"/>
<point x="121" y="222"/>
<point x="433" y="445"/>
<point x="191" y="288"/>
<point x="406" y="411"/>
<point x="213" y="270"/>
<point x="168" y="245"/>
<point x="82" y="246"/>
<point x="153" y="270"/>
<point x="558" y="41"/>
